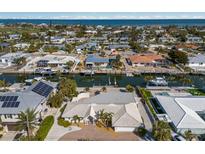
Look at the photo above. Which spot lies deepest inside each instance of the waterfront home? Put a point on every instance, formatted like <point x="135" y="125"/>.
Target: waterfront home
<point x="197" y="62"/>
<point x="183" y="112"/>
<point x="35" y="97"/>
<point x="7" y="59"/>
<point x="124" y="106"/>
<point x="147" y="60"/>
<point x="94" y="61"/>
<point x="59" y="61"/>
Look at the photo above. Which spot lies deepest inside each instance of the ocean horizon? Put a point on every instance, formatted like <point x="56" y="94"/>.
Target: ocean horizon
<point x="109" y="22"/>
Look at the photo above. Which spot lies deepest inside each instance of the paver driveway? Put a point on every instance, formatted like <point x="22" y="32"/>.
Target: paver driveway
<point x="94" y="133"/>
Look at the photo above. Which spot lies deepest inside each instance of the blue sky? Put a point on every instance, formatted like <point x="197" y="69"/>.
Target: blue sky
<point x="102" y="15"/>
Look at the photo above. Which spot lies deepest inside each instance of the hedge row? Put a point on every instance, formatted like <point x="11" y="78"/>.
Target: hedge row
<point x="146" y="95"/>
<point x="62" y="122"/>
<point x="45" y="126"/>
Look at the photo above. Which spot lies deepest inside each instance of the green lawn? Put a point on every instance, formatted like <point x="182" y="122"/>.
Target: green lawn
<point x="196" y="92"/>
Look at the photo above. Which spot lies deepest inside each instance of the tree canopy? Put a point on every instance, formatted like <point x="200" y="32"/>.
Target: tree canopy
<point x="68" y="88"/>
<point x="161" y="131"/>
<point x="178" y="56"/>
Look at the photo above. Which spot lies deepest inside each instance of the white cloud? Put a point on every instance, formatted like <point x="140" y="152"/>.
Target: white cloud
<point x="120" y="16"/>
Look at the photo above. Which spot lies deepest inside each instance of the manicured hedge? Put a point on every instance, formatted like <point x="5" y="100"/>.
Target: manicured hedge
<point x="45" y="126"/>
<point x="62" y="122"/>
<point x="146" y="95"/>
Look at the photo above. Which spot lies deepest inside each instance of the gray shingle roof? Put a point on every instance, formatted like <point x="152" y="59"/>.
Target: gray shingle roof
<point x="121" y="104"/>
<point x="110" y="98"/>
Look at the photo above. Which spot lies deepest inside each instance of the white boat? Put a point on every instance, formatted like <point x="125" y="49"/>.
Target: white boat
<point x="88" y="72"/>
<point x="44" y="71"/>
<point x="158" y="81"/>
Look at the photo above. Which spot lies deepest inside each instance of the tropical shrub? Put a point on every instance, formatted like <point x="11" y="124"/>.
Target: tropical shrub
<point x="62" y="122"/>
<point x="161" y="131"/>
<point x="130" y="88"/>
<point x="55" y="100"/>
<point x="142" y="131"/>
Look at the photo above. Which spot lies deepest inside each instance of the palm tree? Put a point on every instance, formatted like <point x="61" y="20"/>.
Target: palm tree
<point x="101" y="115"/>
<point x="76" y="118"/>
<point x="108" y="118"/>
<point x="188" y="135"/>
<point x="27" y="121"/>
<point x="161" y="131"/>
<point x="186" y="81"/>
<point x="104" y="89"/>
<point x="148" y="78"/>
<point x="105" y="117"/>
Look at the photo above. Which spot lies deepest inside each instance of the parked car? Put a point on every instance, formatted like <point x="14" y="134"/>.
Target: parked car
<point x="148" y="137"/>
<point x="177" y="137"/>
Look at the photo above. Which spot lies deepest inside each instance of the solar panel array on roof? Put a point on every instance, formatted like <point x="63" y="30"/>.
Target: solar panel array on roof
<point x="12" y="104"/>
<point x="42" y="89"/>
<point x="8" y="98"/>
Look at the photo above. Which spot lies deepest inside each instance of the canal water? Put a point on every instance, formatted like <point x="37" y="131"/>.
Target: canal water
<point x="106" y="80"/>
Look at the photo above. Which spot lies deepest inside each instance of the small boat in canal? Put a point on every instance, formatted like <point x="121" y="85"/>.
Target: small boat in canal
<point x="158" y="81"/>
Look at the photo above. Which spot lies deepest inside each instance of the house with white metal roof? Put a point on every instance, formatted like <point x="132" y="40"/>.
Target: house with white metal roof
<point x="197" y="62"/>
<point x="184" y="112"/>
<point x="7" y="59"/>
<point x="124" y="106"/>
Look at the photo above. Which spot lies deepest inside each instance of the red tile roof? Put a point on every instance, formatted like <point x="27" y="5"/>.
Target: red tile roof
<point x="147" y="58"/>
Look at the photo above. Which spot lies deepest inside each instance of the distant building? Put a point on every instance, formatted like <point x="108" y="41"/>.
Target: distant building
<point x="90" y="46"/>
<point x="93" y="61"/>
<point x="147" y="60"/>
<point x="124" y="106"/>
<point x="197" y="62"/>
<point x="14" y="36"/>
<point x="20" y="46"/>
<point x="194" y="39"/>
<point x="118" y="46"/>
<point x="57" y="40"/>
<point x="55" y="61"/>
<point x="7" y="59"/>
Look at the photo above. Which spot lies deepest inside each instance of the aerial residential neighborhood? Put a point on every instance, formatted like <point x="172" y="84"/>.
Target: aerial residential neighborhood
<point x="95" y="80"/>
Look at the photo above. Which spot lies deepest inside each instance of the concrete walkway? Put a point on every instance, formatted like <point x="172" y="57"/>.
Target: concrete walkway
<point x="145" y="116"/>
<point x="57" y="131"/>
<point x="9" y="136"/>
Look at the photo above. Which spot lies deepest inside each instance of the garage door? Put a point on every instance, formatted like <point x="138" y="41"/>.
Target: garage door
<point x="125" y="129"/>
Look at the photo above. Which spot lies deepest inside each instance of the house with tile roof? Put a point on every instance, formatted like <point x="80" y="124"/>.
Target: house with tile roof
<point x="124" y="106"/>
<point x="147" y="60"/>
